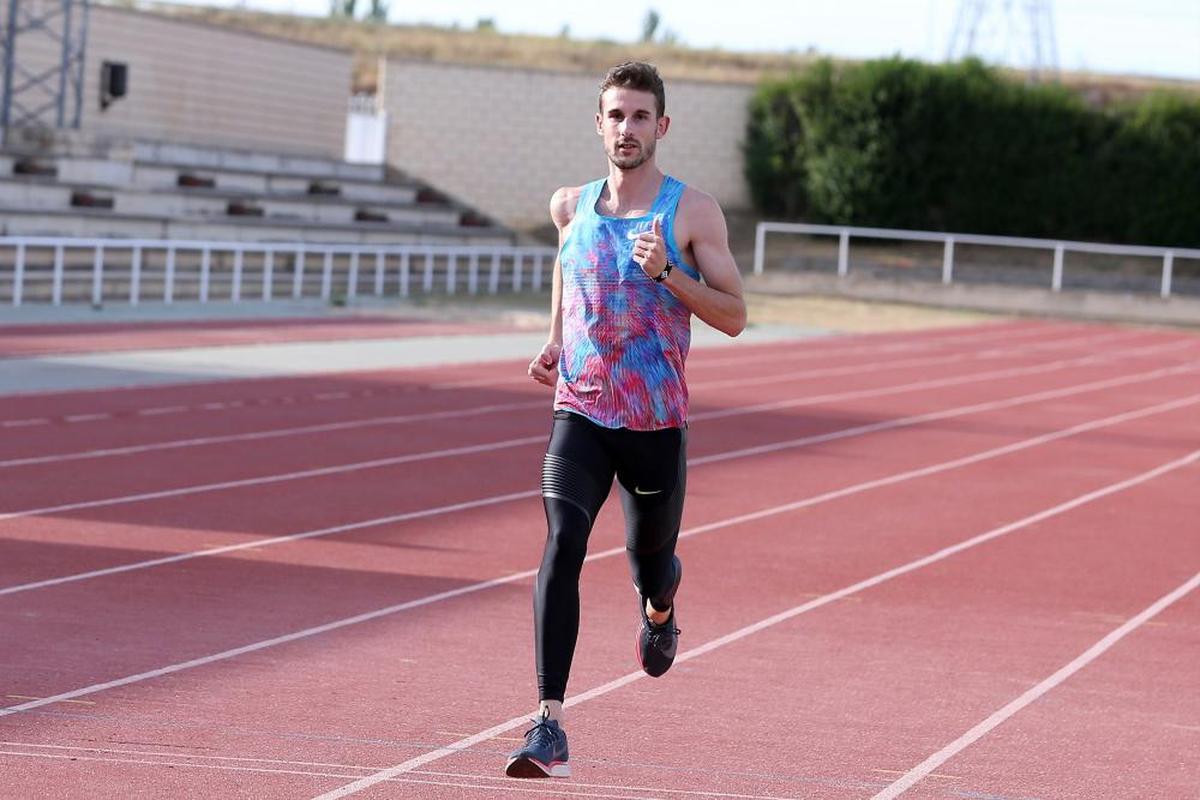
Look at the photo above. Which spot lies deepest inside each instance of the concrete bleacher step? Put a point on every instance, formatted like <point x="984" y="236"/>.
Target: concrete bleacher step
<point x="253" y="161"/>
<point x="159" y="175"/>
<point x="164" y="190"/>
<point x="39" y="193"/>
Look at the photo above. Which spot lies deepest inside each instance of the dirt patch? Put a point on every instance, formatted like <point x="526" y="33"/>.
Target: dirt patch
<point x="854" y="316"/>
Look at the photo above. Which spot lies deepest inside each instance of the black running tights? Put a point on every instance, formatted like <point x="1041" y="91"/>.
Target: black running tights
<point x="581" y="461"/>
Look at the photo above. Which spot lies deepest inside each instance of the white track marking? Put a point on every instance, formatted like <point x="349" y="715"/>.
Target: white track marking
<point x="1079" y="662"/>
<point x="25" y="423"/>
<point x="259" y="543"/>
<point x="354" y="770"/>
<point x="787" y="357"/>
<point x="939" y="383"/>
<point x="487" y="409"/>
<point x="510" y="787"/>
<point x="465" y="450"/>
<point x="508" y="579"/>
<point x="749" y="630"/>
<point x="87" y="417"/>
<point x="252" y="436"/>
<point x="700" y="461"/>
<point x="339" y="469"/>
<point x="853" y="369"/>
<point x="801" y="349"/>
<point x="154" y="412"/>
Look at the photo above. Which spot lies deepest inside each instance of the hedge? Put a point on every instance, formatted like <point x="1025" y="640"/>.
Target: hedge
<point x="901" y="144"/>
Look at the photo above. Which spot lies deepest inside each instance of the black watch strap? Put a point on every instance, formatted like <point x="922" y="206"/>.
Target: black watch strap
<point x="662" y="276"/>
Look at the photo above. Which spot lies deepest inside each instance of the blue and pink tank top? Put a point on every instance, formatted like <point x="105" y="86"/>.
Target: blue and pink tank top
<point x="625" y="337"/>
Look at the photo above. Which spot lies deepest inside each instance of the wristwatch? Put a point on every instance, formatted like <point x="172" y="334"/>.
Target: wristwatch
<point x="662" y="276"/>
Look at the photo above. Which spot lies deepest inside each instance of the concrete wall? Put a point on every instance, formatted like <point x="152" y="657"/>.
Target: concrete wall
<point x="197" y="83"/>
<point x="503" y="139"/>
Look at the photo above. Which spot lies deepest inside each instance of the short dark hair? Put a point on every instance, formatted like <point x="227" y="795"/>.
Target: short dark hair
<point x="639" y="76"/>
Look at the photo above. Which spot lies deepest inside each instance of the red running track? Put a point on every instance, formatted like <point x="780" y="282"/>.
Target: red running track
<point x="894" y="542"/>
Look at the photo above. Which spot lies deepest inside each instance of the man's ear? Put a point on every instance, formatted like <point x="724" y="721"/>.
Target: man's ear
<point x="664" y="122"/>
<point x="599" y="124"/>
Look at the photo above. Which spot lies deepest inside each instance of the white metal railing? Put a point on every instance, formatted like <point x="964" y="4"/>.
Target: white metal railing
<point x="426" y="267"/>
<point x="948" y="240"/>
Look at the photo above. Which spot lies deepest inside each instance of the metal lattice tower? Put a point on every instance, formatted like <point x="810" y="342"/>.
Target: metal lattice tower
<point x="1008" y="32"/>
<point x="43" y="44"/>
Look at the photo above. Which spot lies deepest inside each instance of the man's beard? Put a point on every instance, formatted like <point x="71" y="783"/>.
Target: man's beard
<point x="644" y="153"/>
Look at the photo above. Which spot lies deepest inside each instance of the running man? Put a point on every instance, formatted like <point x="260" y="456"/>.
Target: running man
<point x="639" y="253"/>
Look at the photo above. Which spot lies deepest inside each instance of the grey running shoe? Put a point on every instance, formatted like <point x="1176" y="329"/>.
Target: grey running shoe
<point x="544" y="754"/>
<point x="656" y="644"/>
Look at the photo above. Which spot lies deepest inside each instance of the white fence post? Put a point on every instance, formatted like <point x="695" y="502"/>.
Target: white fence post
<point x="494" y="275"/>
<point x="57" y="290"/>
<point x="948" y="261"/>
<point x="843" y="253"/>
<point x="427" y="280"/>
<point x="404" y="264"/>
<point x="298" y="275"/>
<point x="352" y="283"/>
<point x="169" y="280"/>
<point x="205" y="273"/>
<point x="379" y="264"/>
<point x="235" y="293"/>
<point x="518" y="260"/>
<point x="327" y="276"/>
<point x="1056" y="278"/>
<point x="473" y="274"/>
<point x="135" y="276"/>
<point x="98" y="276"/>
<point x="268" y="276"/>
<point x="1168" y="265"/>
<point x="760" y="247"/>
<point x="19" y="275"/>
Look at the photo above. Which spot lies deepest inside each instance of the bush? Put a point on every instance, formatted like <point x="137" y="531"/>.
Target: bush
<point x="896" y="143"/>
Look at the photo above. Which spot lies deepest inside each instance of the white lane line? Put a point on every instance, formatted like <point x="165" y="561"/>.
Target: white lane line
<point x="511" y="786"/>
<point x="853" y="369"/>
<point x="702" y="460"/>
<point x="948" y="752"/>
<point x="279" y="478"/>
<point x="749" y="630"/>
<point x="787" y="356"/>
<point x="25" y="423"/>
<point x="87" y="417"/>
<point x="259" y="543"/>
<point x="512" y="577"/>
<point x="34" y="749"/>
<point x="803" y="349"/>
<point x="752" y="409"/>
<point x="252" y="436"/>
<point x="154" y="412"/>
<point x="956" y="380"/>
<point x="487" y="409"/>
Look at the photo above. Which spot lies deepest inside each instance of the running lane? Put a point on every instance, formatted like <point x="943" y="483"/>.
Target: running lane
<point x="345" y="720"/>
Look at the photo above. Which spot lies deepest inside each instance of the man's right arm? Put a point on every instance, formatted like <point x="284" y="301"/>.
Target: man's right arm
<point x="544" y="367"/>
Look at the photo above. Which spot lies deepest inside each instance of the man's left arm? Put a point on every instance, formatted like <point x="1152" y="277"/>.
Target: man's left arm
<point x="718" y="300"/>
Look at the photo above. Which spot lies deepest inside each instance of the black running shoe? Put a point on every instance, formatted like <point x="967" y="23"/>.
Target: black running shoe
<point x="656" y="644"/>
<point x="544" y="754"/>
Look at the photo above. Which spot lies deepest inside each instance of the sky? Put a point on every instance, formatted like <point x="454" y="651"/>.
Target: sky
<point x="1146" y="37"/>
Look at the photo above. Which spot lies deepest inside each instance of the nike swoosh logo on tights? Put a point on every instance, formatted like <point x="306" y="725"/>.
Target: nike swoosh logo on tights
<point x="636" y="490"/>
